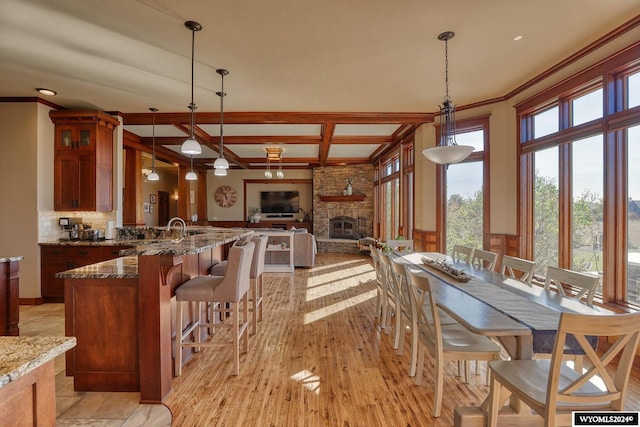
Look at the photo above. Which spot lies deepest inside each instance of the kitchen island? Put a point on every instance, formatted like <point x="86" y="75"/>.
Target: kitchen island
<point x="120" y="312"/>
<point x="27" y="379"/>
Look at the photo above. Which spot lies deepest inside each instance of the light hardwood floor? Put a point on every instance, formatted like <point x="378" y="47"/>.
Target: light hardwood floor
<point x="318" y="359"/>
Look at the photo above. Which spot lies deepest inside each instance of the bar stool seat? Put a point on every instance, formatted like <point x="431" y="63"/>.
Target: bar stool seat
<point x="255" y="276"/>
<point x="225" y="295"/>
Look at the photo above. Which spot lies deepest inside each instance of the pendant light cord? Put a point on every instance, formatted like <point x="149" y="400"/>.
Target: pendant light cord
<point x="192" y="106"/>
<point x="153" y="145"/>
<point x="446" y="70"/>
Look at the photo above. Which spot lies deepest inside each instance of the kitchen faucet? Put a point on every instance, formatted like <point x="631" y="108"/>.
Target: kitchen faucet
<point x="179" y="221"/>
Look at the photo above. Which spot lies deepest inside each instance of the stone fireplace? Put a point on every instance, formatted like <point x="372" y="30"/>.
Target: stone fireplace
<point x="343" y="227"/>
<point x="339" y="220"/>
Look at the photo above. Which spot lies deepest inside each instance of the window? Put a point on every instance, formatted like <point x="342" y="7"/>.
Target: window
<point x="588" y="201"/>
<point x="545" y="209"/>
<point x="465" y="216"/>
<point x="464" y="205"/>
<point x="545" y="123"/>
<point x="574" y="210"/>
<point x="393" y="199"/>
<point x="587" y="107"/>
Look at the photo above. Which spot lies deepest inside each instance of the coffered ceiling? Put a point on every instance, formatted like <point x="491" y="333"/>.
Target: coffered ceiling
<point x="330" y="82"/>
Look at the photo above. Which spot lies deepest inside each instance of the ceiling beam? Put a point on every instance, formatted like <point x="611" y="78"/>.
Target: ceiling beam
<point x="327" y="135"/>
<point x="278" y="118"/>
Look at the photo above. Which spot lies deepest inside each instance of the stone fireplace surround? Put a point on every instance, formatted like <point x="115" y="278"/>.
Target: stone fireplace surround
<point x="328" y="181"/>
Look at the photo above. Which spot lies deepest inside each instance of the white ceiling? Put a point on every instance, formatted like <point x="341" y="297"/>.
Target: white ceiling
<point x="284" y="56"/>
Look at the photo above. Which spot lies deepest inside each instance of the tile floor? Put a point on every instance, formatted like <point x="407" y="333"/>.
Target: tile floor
<point x="87" y="408"/>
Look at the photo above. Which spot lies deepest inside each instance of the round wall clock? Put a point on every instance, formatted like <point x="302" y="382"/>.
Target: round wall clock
<point x="225" y="196"/>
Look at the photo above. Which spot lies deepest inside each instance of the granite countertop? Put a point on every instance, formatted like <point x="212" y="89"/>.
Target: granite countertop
<point x="210" y="238"/>
<point x="21" y="355"/>
<point x="119" y="268"/>
<point x="11" y="258"/>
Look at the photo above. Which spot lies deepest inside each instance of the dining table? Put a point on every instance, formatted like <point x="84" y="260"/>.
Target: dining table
<point x="524" y="318"/>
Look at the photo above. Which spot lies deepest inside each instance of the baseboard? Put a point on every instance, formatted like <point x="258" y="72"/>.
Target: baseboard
<point x="30" y="301"/>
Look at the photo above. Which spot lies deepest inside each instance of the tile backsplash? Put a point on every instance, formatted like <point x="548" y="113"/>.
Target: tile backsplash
<point x="49" y="228"/>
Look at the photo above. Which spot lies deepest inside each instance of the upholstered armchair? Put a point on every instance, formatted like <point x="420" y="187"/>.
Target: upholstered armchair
<point x="305" y="249"/>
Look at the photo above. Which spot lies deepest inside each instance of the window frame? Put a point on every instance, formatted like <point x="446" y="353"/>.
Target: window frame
<point x="611" y="75"/>
<point x="464" y="126"/>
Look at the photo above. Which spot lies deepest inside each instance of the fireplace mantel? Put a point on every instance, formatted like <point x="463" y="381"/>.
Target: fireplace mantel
<point x="341" y="198"/>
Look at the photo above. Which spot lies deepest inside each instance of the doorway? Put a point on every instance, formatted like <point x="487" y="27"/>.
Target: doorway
<point x="164" y="211"/>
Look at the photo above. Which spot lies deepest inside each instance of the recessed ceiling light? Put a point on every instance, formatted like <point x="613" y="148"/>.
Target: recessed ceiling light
<point x="516" y="38"/>
<point x="47" y="92"/>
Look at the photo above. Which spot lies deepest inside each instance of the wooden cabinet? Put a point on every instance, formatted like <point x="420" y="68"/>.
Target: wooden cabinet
<point x="83" y="160"/>
<point x="57" y="258"/>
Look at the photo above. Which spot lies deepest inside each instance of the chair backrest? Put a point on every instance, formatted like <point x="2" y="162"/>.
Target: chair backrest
<point x="518" y="268"/>
<point x="385" y="266"/>
<point x="462" y="253"/>
<point x="607" y="392"/>
<point x="373" y="251"/>
<point x="402" y="245"/>
<point x="402" y="290"/>
<point x="484" y="259"/>
<point x="236" y="279"/>
<point x="428" y="318"/>
<point x="583" y="285"/>
<point x="259" y="250"/>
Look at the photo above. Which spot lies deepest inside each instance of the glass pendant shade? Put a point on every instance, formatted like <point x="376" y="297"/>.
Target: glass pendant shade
<point x="447" y="154"/>
<point x="268" y="174"/>
<point x="221" y="163"/>
<point x="191" y="146"/>
<point x="153" y="176"/>
<point x="191" y="176"/>
<point x="220" y="172"/>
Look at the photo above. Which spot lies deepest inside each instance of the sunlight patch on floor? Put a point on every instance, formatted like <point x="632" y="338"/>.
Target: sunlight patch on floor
<point x="309" y="380"/>
<point x="343" y="264"/>
<point x="319" y="289"/>
<point x="339" y="306"/>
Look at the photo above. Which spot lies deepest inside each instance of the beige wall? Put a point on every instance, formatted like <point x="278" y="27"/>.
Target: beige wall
<point x="503" y="173"/>
<point x="169" y="183"/>
<point x="19" y="197"/>
<point x="235" y="179"/>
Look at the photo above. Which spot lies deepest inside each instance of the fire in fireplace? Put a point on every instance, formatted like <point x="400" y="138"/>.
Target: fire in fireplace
<point x="343" y="227"/>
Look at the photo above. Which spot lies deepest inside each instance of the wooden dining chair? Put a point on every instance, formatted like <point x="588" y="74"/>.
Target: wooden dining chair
<point x="553" y="390"/>
<point x="390" y="295"/>
<point x="572" y="284"/>
<point x="381" y="291"/>
<point x="484" y="259"/>
<point x="462" y="253"/>
<point x="444" y="342"/>
<point x="518" y="268"/>
<point x="400" y="245"/>
<point x="407" y="317"/>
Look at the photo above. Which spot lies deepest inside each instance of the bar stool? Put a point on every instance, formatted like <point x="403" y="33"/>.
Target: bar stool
<point x="219" y="291"/>
<point x="255" y="276"/>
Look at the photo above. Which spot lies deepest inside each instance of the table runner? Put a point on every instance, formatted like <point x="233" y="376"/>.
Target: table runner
<point x="542" y="320"/>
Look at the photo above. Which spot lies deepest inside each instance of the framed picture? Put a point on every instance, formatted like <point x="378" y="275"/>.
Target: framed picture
<point x="145" y="207"/>
<point x="152" y="198"/>
<point x="150" y="208"/>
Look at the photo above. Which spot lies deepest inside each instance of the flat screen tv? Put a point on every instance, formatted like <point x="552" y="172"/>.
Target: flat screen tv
<point x="278" y="202"/>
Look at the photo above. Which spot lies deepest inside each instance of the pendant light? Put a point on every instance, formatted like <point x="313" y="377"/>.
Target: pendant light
<point x="221" y="162"/>
<point x="220" y="172"/>
<point x="267" y="173"/>
<point x="191" y="146"/>
<point x="447" y="151"/>
<point x="191" y="175"/>
<point x="279" y="172"/>
<point x="153" y="176"/>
